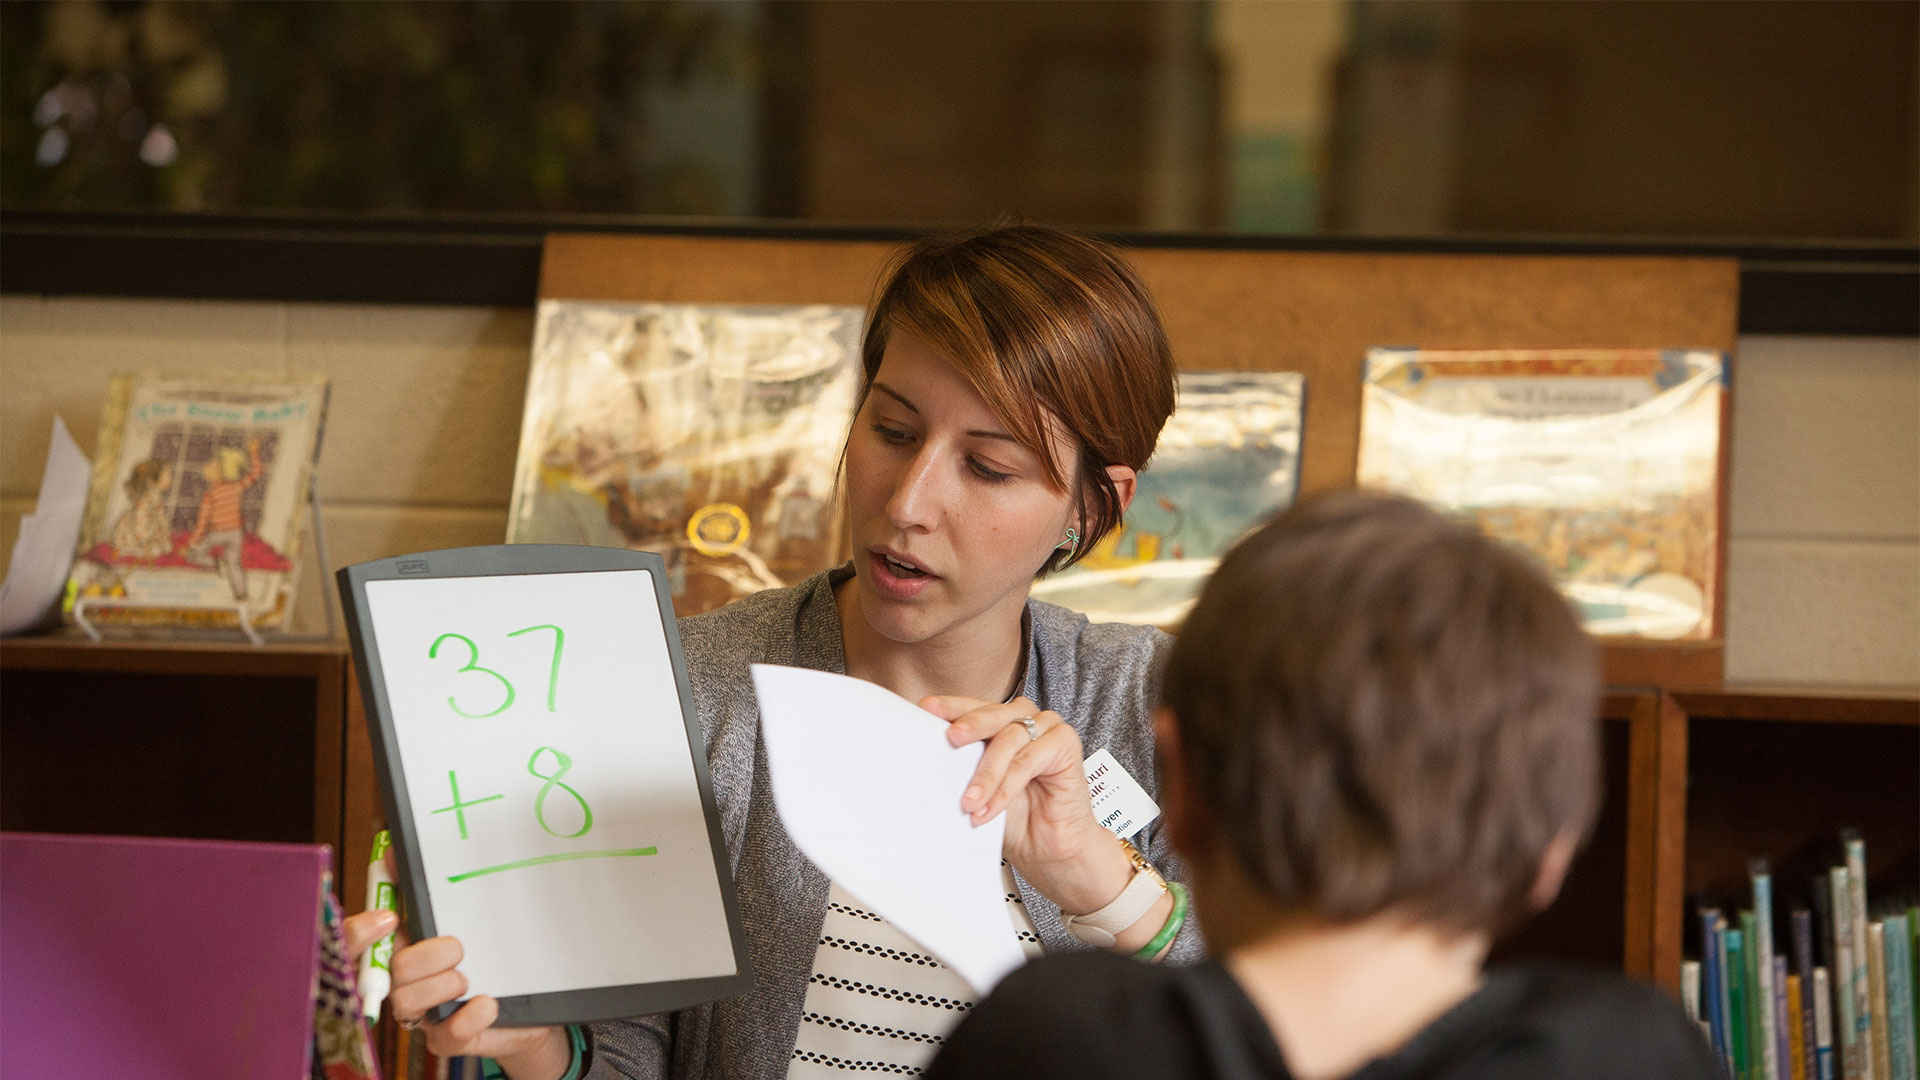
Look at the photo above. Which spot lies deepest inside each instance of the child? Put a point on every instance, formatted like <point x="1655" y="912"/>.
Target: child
<point x="220" y="525"/>
<point x="143" y="532"/>
<point x="1379" y="751"/>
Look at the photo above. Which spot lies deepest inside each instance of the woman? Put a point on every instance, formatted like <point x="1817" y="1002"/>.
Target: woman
<point x="1016" y="381"/>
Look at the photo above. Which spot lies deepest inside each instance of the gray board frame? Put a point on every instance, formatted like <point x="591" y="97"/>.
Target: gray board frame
<point x="584" y="1005"/>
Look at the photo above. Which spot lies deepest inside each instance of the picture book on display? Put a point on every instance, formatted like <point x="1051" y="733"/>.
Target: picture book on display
<point x="708" y="434"/>
<point x="1604" y="462"/>
<point x="200" y="492"/>
<point x="1227" y="460"/>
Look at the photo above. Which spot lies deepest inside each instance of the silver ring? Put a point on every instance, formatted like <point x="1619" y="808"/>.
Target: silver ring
<point x="1033" y="735"/>
<point x="409" y="1025"/>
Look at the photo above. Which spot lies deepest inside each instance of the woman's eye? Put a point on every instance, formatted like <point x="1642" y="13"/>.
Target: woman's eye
<point x="990" y="475"/>
<point x="890" y="434"/>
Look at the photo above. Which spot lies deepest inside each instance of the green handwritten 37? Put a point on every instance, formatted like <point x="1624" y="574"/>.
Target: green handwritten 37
<point x="473" y="665"/>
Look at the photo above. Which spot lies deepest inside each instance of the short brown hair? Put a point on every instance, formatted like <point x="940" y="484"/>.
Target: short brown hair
<point x="1387" y="711"/>
<point x="1051" y="328"/>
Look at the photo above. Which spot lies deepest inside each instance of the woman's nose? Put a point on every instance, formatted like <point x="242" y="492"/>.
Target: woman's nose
<point x="914" y="502"/>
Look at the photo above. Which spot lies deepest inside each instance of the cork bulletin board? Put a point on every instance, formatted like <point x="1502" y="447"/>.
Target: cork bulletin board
<point x="1242" y="310"/>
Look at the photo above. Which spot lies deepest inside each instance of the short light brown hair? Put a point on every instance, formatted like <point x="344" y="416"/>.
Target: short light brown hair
<point x="1051" y="328"/>
<point x="1385" y="711"/>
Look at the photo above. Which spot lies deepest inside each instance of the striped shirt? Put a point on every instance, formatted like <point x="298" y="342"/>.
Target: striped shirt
<point x="878" y="1003"/>
<point x="221" y="504"/>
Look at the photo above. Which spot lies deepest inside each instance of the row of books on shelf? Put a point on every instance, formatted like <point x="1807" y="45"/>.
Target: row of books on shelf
<point x="1830" y="999"/>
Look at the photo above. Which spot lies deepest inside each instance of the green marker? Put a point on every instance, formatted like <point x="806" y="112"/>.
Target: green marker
<point x="375" y="976"/>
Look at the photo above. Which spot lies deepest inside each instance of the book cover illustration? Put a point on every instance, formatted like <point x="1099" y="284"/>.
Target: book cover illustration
<point x="709" y="434"/>
<point x="199" y="493"/>
<point x="1604" y="462"/>
<point x="1228" y="459"/>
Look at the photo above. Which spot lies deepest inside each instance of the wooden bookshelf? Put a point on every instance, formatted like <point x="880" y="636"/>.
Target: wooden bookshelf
<point x="202" y="739"/>
<point x="1777" y="772"/>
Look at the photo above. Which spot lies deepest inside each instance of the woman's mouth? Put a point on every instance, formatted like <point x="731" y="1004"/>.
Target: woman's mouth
<point x="901" y="569"/>
<point x="898" y="578"/>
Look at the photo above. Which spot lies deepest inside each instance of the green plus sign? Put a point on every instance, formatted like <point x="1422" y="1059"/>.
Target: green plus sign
<point x="460" y="808"/>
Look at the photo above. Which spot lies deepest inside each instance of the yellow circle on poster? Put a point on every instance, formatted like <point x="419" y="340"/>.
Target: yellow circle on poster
<point x="718" y="529"/>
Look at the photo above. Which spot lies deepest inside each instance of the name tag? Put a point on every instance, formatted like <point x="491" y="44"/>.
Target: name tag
<point x="1119" y="802"/>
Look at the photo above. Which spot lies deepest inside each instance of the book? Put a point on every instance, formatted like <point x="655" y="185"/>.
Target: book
<point x="1737" y="1031"/>
<point x="1847" y="1041"/>
<point x="1797" y="1046"/>
<point x="1767" y="993"/>
<point x="1900" y="1008"/>
<point x="1724" y="1006"/>
<point x="1823" y="1024"/>
<point x="1783" y="1031"/>
<point x="1877" y="1000"/>
<point x="708" y="433"/>
<point x="1801" y="921"/>
<point x="1603" y="462"/>
<point x="1913" y="960"/>
<point x="1712" y="991"/>
<point x="1228" y="459"/>
<point x="1856" y="851"/>
<point x="199" y="496"/>
<point x="1690" y="991"/>
<point x="260" y="986"/>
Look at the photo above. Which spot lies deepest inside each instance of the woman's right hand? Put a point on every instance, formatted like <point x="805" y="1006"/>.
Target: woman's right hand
<point x="426" y="974"/>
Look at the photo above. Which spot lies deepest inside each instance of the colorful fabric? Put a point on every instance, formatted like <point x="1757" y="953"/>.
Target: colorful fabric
<point x="342" y="1045"/>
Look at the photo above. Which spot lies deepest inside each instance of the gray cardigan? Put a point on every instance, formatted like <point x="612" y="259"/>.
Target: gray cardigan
<point x="1103" y="678"/>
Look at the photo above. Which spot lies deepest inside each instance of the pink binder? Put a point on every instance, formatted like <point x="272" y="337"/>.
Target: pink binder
<point x="158" y="958"/>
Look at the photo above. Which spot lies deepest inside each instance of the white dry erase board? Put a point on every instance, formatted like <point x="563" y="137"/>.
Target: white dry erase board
<point x="545" y="778"/>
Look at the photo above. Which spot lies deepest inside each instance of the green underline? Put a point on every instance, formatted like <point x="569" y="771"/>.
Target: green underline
<point x="562" y="857"/>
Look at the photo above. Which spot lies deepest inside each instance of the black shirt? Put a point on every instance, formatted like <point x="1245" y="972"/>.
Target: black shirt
<point x="1096" y="1015"/>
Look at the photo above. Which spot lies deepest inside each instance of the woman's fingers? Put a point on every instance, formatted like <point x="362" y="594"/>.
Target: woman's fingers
<point x="361" y="931"/>
<point x="429" y="957"/>
<point x="454" y="1036"/>
<point x="1006" y="744"/>
<point x="411" y="1000"/>
<point x="972" y="720"/>
<point x="1056" y="751"/>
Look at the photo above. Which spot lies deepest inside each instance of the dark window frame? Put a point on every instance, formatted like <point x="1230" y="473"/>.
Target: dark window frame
<point x="1785" y="287"/>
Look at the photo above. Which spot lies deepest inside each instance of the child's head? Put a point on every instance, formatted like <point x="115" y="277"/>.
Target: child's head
<point x="227" y="464"/>
<point x="150" y="475"/>
<point x="1380" y="711"/>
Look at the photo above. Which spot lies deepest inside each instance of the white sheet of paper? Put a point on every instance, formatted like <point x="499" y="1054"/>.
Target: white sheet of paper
<point x="870" y="791"/>
<point x="37" y="571"/>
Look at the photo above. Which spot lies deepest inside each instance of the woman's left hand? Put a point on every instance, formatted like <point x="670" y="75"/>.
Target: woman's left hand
<point x="1039" y="781"/>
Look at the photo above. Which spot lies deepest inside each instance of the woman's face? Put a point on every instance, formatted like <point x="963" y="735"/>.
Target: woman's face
<point x="950" y="517"/>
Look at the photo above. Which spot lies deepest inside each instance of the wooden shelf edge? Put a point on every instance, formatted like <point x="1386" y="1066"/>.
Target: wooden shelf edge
<point x="1806" y="704"/>
<point x="170" y="657"/>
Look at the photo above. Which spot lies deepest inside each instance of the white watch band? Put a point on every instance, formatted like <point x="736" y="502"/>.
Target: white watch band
<point x="1101" y="928"/>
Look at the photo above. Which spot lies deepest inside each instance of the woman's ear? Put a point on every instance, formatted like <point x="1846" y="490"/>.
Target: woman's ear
<point x="1554" y="864"/>
<point x="1185" y="819"/>
<point x="1125" y="483"/>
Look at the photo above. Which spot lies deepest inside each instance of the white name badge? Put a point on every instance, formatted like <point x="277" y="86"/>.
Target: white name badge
<point x="1119" y="802"/>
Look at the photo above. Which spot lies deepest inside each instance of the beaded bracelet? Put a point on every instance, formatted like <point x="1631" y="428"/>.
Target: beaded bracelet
<point x="1154" y="950"/>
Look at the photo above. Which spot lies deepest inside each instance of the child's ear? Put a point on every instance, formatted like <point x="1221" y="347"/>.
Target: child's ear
<point x="1554" y="864"/>
<point x="1187" y="822"/>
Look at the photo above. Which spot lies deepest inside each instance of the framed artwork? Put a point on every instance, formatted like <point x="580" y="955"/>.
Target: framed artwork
<point x="200" y="492"/>
<point x="1603" y="462"/>
<point x="710" y="434"/>
<point x="1228" y="459"/>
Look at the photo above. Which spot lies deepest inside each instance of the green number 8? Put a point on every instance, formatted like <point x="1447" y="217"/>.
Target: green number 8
<point x="563" y="763"/>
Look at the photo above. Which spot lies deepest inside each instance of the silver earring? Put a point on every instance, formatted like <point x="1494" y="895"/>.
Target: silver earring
<point x="1071" y="543"/>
